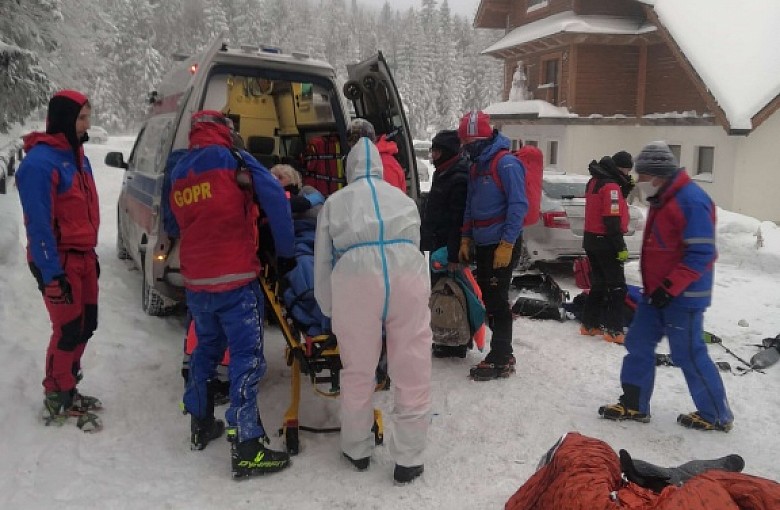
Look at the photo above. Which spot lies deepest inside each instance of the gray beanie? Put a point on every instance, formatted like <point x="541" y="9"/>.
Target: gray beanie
<point x="656" y="159"/>
<point x="359" y="128"/>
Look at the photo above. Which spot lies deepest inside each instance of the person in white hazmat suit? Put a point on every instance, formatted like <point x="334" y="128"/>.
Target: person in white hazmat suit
<point x="370" y="276"/>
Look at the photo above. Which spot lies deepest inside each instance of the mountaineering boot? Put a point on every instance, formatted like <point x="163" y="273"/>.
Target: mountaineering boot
<point x="204" y="431"/>
<point x="614" y="337"/>
<point x="620" y="412"/>
<point x="360" y="464"/>
<point x="58" y="407"/>
<point x="252" y="458"/>
<point x="450" y="351"/>
<point x="586" y="331"/>
<point x="695" y="421"/>
<point x="487" y="370"/>
<point x="83" y="403"/>
<point x="403" y="474"/>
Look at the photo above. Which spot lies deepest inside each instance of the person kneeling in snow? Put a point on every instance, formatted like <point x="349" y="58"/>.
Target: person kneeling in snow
<point x="370" y="276"/>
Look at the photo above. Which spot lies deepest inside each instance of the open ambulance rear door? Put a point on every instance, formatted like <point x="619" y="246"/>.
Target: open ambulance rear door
<point x="373" y="93"/>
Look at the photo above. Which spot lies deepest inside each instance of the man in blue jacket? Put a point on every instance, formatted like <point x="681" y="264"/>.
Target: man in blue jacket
<point x="678" y="255"/>
<point x="496" y="205"/>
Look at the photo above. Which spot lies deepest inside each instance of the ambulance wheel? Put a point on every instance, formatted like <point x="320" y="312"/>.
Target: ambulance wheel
<point x="151" y="301"/>
<point x="291" y="440"/>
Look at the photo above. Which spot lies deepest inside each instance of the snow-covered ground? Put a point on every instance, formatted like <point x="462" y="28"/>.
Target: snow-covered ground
<point x="485" y="438"/>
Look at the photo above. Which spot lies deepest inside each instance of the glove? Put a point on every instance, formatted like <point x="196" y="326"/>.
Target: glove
<point x="503" y="254"/>
<point x="284" y="265"/>
<point x="660" y="296"/>
<point x="314" y="198"/>
<point x="58" y="291"/>
<point x="622" y="255"/>
<point x="97" y="267"/>
<point x="464" y="253"/>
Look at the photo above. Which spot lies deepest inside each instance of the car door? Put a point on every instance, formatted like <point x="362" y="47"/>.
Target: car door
<point x="374" y="96"/>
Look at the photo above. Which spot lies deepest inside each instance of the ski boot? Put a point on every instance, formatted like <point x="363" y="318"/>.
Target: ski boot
<point x="586" y="331"/>
<point x="253" y="458"/>
<point x="204" y="431"/>
<point x="615" y="337"/>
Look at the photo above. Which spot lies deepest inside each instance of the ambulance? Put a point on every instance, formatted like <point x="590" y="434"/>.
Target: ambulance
<point x="287" y="108"/>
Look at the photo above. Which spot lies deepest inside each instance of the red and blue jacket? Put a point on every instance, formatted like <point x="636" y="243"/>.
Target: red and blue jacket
<point x="495" y="211"/>
<point x="59" y="200"/>
<point x="678" y="248"/>
<point x="217" y="220"/>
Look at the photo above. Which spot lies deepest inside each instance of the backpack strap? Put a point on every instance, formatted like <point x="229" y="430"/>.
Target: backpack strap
<point x="497" y="180"/>
<point x="494" y="168"/>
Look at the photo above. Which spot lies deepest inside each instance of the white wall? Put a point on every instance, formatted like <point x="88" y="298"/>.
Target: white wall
<point x="754" y="189"/>
<point x="757" y="186"/>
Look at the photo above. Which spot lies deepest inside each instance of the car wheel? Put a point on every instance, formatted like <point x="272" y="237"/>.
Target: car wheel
<point x="151" y="300"/>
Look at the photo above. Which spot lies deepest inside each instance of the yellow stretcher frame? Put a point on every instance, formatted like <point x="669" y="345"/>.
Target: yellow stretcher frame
<point x="311" y="357"/>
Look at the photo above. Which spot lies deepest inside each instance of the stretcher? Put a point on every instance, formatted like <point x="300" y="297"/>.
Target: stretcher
<point x="317" y="358"/>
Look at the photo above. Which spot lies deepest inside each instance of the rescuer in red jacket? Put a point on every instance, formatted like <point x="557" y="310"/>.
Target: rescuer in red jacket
<point x="606" y="220"/>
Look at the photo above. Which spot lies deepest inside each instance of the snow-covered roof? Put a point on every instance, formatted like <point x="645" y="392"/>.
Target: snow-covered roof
<point x="569" y="22"/>
<point x="733" y="46"/>
<point x="537" y="107"/>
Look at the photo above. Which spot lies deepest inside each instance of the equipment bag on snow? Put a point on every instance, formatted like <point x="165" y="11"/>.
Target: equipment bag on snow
<point x="548" y="306"/>
<point x="449" y="313"/>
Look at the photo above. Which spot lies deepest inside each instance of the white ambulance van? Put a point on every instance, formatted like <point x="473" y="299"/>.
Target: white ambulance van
<point x="287" y="107"/>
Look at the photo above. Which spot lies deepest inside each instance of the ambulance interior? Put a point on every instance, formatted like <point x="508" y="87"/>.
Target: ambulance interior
<point x="285" y="121"/>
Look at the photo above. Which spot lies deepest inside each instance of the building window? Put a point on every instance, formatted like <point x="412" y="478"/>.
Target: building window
<point x="552" y="152"/>
<point x="534" y="5"/>
<point x="548" y="82"/>
<point x="533" y="143"/>
<point x="705" y="161"/>
<point x="677" y="151"/>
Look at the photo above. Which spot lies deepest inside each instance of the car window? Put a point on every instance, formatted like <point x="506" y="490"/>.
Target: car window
<point x="560" y="190"/>
<point x="148" y="155"/>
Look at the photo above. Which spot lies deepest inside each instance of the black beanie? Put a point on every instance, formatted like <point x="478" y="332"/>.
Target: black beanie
<point x="623" y="160"/>
<point x="448" y="142"/>
<point x="64" y="109"/>
<point x="656" y="159"/>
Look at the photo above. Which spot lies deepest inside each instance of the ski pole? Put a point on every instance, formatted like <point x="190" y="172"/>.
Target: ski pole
<point x="719" y="341"/>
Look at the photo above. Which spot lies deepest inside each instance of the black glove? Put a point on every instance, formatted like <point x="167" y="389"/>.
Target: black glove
<point x="285" y="265"/>
<point x="660" y="296"/>
<point x="97" y="267"/>
<point x="58" y="291"/>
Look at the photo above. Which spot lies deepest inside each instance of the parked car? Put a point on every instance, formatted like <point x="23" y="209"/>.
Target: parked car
<point x="285" y="106"/>
<point x="97" y="134"/>
<point x="557" y="236"/>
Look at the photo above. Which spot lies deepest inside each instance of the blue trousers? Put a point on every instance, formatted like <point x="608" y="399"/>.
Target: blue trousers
<point x="232" y="319"/>
<point x="683" y="327"/>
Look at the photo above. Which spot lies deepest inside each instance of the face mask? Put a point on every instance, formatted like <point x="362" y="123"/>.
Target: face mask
<point x="474" y="149"/>
<point x="648" y="188"/>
